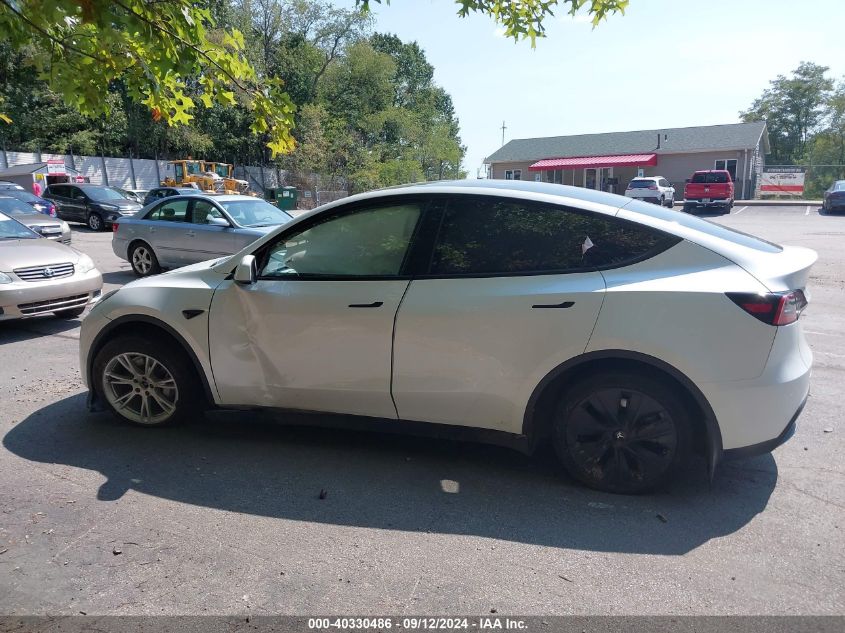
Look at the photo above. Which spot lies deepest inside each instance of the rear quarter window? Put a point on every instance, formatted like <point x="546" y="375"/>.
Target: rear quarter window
<point x="704" y="226"/>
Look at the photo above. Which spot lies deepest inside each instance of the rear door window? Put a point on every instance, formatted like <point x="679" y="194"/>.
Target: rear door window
<point x="170" y="211"/>
<point x="484" y="236"/>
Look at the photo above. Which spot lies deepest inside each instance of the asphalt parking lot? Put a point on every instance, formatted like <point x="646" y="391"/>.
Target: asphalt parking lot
<point x="222" y="516"/>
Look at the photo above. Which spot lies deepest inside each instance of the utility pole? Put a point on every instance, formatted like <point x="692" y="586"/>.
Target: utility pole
<point x="503" y="132"/>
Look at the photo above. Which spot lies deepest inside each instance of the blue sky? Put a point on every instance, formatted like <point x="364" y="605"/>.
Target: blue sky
<point x="665" y="63"/>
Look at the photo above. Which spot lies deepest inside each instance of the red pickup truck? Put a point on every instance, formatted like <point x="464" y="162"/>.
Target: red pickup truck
<point x="709" y="189"/>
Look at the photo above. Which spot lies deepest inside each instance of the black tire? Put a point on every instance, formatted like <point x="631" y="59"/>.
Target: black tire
<point x="143" y="260"/>
<point x="70" y="314"/>
<point x="602" y="445"/>
<point x="184" y="395"/>
<point x="662" y="201"/>
<point x="95" y="222"/>
<point x="670" y="203"/>
<point x="688" y="208"/>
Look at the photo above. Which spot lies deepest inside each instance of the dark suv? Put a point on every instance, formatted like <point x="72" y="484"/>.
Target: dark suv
<point x="95" y="205"/>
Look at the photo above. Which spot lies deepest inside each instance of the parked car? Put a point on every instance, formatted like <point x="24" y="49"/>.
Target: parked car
<point x="136" y="195"/>
<point x="178" y="231"/>
<point x="157" y="193"/>
<point x="654" y="189"/>
<point x="41" y="205"/>
<point x="40" y="276"/>
<point x="51" y="228"/>
<point x="834" y="197"/>
<point x="522" y="313"/>
<point x="95" y="205"/>
<point x="709" y="189"/>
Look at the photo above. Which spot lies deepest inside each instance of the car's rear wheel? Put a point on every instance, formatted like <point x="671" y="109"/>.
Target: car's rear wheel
<point x="621" y="433"/>
<point x="145" y="381"/>
<point x="95" y="222"/>
<point x="143" y="260"/>
<point x="70" y="314"/>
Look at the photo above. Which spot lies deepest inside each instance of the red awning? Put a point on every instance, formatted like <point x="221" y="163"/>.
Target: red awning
<point x="580" y="162"/>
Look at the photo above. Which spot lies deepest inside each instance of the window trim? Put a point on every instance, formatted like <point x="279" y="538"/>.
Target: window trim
<point x="725" y="168"/>
<point x="405" y="272"/>
<point x="668" y="241"/>
<point x="167" y="200"/>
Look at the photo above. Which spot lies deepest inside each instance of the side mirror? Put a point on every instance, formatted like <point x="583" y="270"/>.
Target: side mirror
<point x="212" y="221"/>
<point x="246" y="273"/>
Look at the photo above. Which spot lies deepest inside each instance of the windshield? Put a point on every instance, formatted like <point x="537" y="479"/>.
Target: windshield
<point x="13" y="230"/>
<point x="103" y="193"/>
<point x="255" y="213"/>
<point x="641" y="184"/>
<point x="22" y="195"/>
<point x="710" y="177"/>
<point x="12" y="206"/>
<point x="222" y="170"/>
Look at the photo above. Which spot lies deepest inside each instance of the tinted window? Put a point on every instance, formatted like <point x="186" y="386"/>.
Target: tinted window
<point x="366" y="243"/>
<point x="172" y="211"/>
<point x="710" y="228"/>
<point x="76" y="193"/>
<point x="640" y="184"/>
<point x="58" y="190"/>
<point x="489" y="236"/>
<point x="710" y="177"/>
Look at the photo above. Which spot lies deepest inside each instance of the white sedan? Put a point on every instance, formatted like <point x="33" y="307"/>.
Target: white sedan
<point x="625" y="335"/>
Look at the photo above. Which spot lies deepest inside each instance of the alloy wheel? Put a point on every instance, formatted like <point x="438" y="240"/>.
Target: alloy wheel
<point x="621" y="437"/>
<point x="95" y="223"/>
<point x="140" y="388"/>
<point x="142" y="260"/>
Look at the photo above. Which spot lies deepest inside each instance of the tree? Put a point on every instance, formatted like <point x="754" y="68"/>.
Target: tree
<point x="168" y="56"/>
<point x="793" y="108"/>
<point x="523" y="19"/>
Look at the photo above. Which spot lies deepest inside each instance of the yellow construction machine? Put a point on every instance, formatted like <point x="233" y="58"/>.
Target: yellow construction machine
<point x="204" y="175"/>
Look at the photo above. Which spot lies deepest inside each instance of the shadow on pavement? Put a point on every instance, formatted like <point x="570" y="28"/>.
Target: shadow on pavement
<point x="255" y="464"/>
<point x="119" y="277"/>
<point x="25" y="329"/>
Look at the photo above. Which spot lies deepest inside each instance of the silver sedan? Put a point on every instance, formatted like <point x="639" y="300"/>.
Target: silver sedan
<point x="49" y="227"/>
<point x="182" y="230"/>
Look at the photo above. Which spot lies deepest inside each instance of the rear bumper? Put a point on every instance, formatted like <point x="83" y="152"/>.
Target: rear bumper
<point x="714" y="202"/>
<point x="769" y="445"/>
<point x="756" y="415"/>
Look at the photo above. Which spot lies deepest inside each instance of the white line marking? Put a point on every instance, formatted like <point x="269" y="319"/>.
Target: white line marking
<point x="823" y="333"/>
<point x="807" y="212"/>
<point x="738" y="211"/>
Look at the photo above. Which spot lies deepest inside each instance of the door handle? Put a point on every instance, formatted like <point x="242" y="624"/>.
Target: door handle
<point x="565" y="304"/>
<point x="374" y="304"/>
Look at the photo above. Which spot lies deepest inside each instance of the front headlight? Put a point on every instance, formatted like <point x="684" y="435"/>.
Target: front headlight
<point x="5" y="279"/>
<point x="85" y="264"/>
<point x="109" y="207"/>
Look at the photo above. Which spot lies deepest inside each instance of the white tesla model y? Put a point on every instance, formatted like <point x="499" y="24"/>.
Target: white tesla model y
<point x="626" y="335"/>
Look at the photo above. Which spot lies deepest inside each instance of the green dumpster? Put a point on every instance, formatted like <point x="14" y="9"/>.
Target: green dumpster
<point x="283" y="197"/>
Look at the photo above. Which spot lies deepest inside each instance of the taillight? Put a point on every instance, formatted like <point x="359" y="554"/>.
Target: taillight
<point x="114" y="226"/>
<point x="53" y="210"/>
<point x="774" y="308"/>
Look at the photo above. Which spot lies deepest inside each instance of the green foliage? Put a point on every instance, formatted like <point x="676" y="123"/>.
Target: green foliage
<point x="523" y="19"/>
<point x="793" y="107"/>
<point x="167" y="56"/>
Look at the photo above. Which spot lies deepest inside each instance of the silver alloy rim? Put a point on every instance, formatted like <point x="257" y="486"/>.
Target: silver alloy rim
<point x="140" y="388"/>
<point x="142" y="260"/>
<point x="94" y="222"/>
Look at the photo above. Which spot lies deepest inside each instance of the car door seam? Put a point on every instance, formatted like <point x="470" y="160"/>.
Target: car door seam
<point x="598" y="313"/>
<point x="393" y="345"/>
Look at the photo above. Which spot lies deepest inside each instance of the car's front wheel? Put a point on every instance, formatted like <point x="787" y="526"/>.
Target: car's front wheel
<point x="143" y="260"/>
<point x="95" y="222"/>
<point x="621" y="432"/>
<point x="145" y="381"/>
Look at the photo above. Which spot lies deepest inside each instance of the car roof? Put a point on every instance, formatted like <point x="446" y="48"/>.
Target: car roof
<point x="646" y="177"/>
